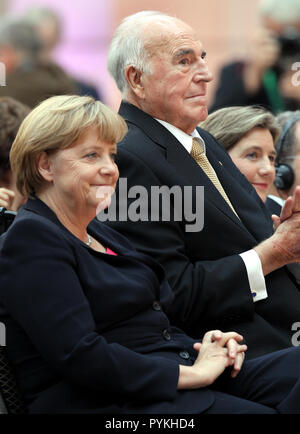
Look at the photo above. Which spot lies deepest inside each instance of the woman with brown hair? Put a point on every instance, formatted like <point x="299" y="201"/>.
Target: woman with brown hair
<point x="12" y="113"/>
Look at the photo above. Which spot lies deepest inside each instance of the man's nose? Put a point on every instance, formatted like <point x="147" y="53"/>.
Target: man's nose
<point x="203" y="73"/>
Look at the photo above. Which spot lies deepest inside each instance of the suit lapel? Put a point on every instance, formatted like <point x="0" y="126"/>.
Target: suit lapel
<point x="184" y="165"/>
<point x="243" y="196"/>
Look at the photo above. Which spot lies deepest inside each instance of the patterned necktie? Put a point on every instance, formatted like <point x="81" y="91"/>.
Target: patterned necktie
<point x="200" y="157"/>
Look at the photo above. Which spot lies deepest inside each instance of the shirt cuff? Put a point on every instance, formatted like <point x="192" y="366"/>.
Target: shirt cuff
<point x="255" y="275"/>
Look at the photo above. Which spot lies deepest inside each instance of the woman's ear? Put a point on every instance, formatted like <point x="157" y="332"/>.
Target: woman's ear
<point x="45" y="167"/>
<point x="134" y="80"/>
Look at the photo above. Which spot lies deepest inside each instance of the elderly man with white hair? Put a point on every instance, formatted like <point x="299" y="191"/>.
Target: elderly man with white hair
<point x="228" y="273"/>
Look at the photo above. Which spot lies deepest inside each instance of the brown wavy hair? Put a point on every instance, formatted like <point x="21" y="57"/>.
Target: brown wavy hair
<point x="12" y="113"/>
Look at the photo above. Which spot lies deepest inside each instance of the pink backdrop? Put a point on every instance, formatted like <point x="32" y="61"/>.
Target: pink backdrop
<point x="225" y="28"/>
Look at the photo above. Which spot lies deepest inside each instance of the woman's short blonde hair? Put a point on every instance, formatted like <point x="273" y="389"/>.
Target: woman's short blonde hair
<point x="230" y="124"/>
<point x="56" y="124"/>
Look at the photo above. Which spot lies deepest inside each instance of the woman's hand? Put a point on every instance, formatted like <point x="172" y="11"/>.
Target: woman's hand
<point x="217" y="351"/>
<point x="6" y="197"/>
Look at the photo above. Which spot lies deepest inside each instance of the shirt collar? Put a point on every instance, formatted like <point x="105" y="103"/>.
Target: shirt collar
<point x="277" y="199"/>
<point x="185" y="139"/>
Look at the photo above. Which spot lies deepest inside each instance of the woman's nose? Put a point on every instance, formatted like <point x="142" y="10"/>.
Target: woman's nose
<point x="266" y="167"/>
<point x="108" y="167"/>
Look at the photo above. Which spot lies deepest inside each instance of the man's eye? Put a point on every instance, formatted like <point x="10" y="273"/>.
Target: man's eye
<point x="184" y="62"/>
<point x="203" y="55"/>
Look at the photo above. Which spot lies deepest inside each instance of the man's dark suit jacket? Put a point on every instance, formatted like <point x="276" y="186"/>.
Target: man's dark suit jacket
<point x="86" y="331"/>
<point x="273" y="206"/>
<point x="208" y="277"/>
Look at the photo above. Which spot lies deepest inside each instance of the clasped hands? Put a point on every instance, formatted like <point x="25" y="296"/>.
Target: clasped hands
<point x="216" y="352"/>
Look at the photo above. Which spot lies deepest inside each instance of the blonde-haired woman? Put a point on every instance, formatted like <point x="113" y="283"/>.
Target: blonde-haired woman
<point x="85" y="313"/>
<point x="249" y="135"/>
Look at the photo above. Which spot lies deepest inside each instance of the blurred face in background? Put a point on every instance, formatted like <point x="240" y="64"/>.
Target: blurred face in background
<point x="254" y="155"/>
<point x="294" y="160"/>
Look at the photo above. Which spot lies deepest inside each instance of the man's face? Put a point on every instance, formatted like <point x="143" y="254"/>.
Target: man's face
<point x="175" y="90"/>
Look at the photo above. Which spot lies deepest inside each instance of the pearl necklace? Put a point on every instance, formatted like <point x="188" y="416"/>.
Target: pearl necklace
<point x="89" y="241"/>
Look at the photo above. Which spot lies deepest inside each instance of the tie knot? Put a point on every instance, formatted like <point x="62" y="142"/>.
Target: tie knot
<point x="197" y="149"/>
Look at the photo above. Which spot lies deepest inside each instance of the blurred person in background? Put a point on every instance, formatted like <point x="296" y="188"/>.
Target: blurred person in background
<point x="12" y="113"/>
<point x="249" y="135"/>
<point x="287" y="169"/>
<point x="287" y="161"/>
<point x="29" y="79"/>
<point x="49" y="27"/>
<point x="265" y="76"/>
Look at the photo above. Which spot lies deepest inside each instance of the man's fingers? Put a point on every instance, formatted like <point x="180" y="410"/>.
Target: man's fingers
<point x="287" y="209"/>
<point x="297" y="199"/>
<point x="276" y="221"/>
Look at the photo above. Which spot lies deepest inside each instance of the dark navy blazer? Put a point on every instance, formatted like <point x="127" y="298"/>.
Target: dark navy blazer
<point x="86" y="331"/>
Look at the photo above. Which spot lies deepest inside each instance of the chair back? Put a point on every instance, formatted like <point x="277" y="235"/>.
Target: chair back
<point x="11" y="401"/>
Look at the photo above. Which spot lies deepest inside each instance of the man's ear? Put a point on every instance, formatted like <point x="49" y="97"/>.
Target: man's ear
<point x="45" y="167"/>
<point x="134" y="79"/>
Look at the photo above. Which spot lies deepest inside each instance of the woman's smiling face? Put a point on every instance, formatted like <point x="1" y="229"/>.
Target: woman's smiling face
<point x="80" y="172"/>
<point x="254" y="155"/>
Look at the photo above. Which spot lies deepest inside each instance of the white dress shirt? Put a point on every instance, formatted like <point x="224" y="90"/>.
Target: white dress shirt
<point x="250" y="258"/>
<point x="277" y="199"/>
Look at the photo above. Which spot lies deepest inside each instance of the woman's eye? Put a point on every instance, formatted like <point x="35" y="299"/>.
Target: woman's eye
<point x="113" y="156"/>
<point x="91" y="155"/>
<point x="272" y="159"/>
<point x="251" y="155"/>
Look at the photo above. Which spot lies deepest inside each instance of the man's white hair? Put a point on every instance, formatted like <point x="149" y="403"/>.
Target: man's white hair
<point x="127" y="47"/>
<point x="282" y="11"/>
